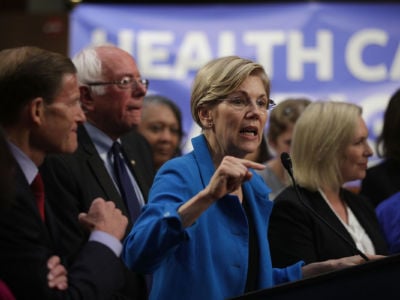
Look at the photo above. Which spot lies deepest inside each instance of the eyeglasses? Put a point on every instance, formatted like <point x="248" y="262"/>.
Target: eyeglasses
<point x="125" y="83"/>
<point x="240" y="102"/>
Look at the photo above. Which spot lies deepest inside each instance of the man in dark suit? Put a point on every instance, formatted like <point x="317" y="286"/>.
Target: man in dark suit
<point x="112" y="93"/>
<point x="40" y="114"/>
<point x="7" y="192"/>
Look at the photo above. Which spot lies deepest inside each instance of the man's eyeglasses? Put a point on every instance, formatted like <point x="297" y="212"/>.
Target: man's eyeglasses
<point x="125" y="83"/>
<point x="240" y="102"/>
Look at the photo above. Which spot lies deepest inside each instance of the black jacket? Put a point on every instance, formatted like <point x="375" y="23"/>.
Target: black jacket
<point x="295" y="233"/>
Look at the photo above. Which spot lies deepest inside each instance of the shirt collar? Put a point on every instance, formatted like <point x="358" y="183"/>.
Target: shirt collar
<point x="101" y="141"/>
<point x="27" y="166"/>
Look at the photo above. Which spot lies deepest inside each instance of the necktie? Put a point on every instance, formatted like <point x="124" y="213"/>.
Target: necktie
<point x="124" y="183"/>
<point x="38" y="191"/>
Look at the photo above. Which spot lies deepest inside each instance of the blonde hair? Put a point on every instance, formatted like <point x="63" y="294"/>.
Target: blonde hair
<point x="220" y="77"/>
<point x="320" y="137"/>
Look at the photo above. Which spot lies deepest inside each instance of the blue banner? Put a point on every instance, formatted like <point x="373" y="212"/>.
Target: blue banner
<point x="346" y="52"/>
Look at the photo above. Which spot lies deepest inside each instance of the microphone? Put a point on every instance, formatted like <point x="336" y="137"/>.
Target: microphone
<point x="287" y="164"/>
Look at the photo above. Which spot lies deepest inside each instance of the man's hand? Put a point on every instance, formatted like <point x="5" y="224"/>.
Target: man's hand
<point x="104" y="216"/>
<point x="57" y="276"/>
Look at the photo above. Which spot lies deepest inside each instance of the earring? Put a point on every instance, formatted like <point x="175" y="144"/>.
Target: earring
<point x="210" y="124"/>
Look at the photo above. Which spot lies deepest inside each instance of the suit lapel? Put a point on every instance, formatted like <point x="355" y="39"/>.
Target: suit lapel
<point x="369" y="225"/>
<point x="132" y="156"/>
<point x="319" y="204"/>
<point x="98" y="170"/>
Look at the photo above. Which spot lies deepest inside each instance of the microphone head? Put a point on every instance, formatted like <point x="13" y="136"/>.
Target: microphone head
<point x="286" y="161"/>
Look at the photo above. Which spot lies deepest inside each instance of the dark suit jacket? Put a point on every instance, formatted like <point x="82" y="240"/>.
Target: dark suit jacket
<point x="26" y="243"/>
<point x="75" y="180"/>
<point x="381" y="181"/>
<point x="297" y="234"/>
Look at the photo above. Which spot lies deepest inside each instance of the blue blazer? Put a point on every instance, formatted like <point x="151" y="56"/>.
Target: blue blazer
<point x="208" y="260"/>
<point x="388" y="214"/>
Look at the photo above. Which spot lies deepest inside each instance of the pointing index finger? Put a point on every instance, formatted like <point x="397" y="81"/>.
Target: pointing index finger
<point x="253" y="165"/>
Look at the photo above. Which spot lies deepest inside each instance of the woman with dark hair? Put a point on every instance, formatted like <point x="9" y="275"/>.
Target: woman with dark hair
<point x="161" y="125"/>
<point x="383" y="179"/>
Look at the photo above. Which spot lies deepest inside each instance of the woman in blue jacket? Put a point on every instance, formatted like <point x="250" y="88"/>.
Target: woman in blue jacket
<point x="203" y="233"/>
